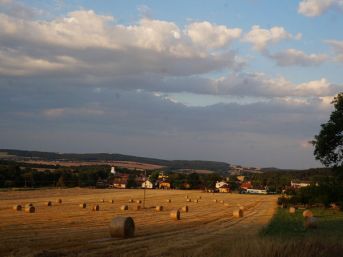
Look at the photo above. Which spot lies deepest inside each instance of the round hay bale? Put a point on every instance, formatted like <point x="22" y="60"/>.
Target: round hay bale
<point x="226" y="204"/>
<point x="59" y="201"/>
<point x="159" y="208"/>
<point x="102" y="200"/>
<point x="187" y="196"/>
<point x="189" y="200"/>
<point x="221" y="201"/>
<point x="96" y="207"/>
<point x="83" y="205"/>
<point x="291" y="210"/>
<point x="334" y="206"/>
<point x="199" y="197"/>
<point x="49" y="203"/>
<point x="137" y="207"/>
<point x="241" y="207"/>
<point x="238" y="213"/>
<point x="215" y="200"/>
<point x="168" y="201"/>
<point x="196" y="201"/>
<point x="310" y="222"/>
<point x="130" y="200"/>
<point x="111" y="201"/>
<point x="17" y="207"/>
<point x="138" y="201"/>
<point x="123" y="227"/>
<point x="307" y="213"/>
<point x="175" y="214"/>
<point x="28" y="205"/>
<point x="30" y="209"/>
<point x="124" y="208"/>
<point x="185" y="208"/>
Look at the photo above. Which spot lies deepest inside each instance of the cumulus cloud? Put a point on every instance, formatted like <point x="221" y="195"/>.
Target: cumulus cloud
<point x="207" y="35"/>
<point x="250" y="85"/>
<point x="86" y="40"/>
<point x="294" y="57"/>
<point x="260" y="38"/>
<point x="317" y="7"/>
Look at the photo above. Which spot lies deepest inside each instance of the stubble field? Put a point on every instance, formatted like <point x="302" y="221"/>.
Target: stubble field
<point x="68" y="230"/>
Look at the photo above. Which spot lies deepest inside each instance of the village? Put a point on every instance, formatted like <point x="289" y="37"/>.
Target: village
<point x="227" y="184"/>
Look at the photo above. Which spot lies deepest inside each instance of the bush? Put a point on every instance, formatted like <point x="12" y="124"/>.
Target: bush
<point x="282" y="201"/>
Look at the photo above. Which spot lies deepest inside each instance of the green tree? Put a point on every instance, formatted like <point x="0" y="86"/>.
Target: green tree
<point x="328" y="144"/>
<point x="60" y="182"/>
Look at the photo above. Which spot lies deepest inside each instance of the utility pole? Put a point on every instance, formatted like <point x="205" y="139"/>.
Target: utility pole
<point x="144" y="189"/>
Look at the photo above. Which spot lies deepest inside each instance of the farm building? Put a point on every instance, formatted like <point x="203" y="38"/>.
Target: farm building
<point x="164" y="185"/>
<point x="147" y="184"/>
<point x="120" y="181"/>
<point x="256" y="191"/>
<point x="219" y="184"/>
<point x="246" y="185"/>
<point x="300" y="184"/>
<point x="224" y="189"/>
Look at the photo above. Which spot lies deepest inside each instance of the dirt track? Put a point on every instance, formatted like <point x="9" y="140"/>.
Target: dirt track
<point x="67" y="229"/>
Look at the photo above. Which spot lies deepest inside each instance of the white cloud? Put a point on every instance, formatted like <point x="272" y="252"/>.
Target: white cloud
<point x="150" y="46"/>
<point x="260" y="38"/>
<point x="294" y="57"/>
<point x="75" y="112"/>
<point x="207" y="35"/>
<point x="338" y="49"/>
<point x="315" y="88"/>
<point x="317" y="7"/>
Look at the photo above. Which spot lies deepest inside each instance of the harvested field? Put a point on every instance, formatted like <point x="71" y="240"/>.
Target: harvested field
<point x="67" y="230"/>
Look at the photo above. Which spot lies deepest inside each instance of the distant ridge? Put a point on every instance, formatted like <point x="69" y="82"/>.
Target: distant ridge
<point x="90" y="157"/>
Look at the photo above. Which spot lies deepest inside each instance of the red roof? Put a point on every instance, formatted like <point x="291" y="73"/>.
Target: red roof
<point x="246" y="185"/>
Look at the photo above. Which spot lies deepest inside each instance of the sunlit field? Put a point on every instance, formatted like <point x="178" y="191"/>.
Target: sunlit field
<point x="68" y="230"/>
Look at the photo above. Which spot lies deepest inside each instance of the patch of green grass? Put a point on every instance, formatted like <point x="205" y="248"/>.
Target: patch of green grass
<point x="284" y="224"/>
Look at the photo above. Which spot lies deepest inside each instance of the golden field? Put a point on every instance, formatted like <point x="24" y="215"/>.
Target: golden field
<point x="68" y="230"/>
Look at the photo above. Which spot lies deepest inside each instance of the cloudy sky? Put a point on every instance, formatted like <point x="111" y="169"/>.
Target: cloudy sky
<point x="243" y="81"/>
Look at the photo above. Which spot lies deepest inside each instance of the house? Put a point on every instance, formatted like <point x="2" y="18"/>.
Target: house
<point x="120" y="181"/>
<point x="299" y="184"/>
<point x="224" y="189"/>
<point x="164" y="184"/>
<point x="256" y="191"/>
<point x="147" y="184"/>
<point x="220" y="184"/>
<point x="246" y="185"/>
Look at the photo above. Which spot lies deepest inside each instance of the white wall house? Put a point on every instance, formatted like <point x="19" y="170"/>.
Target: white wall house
<point x="147" y="184"/>
<point x="219" y="184"/>
<point x="256" y="191"/>
<point x="300" y="184"/>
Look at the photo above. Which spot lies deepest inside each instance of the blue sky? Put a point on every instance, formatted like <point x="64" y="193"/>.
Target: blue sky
<point x="246" y="82"/>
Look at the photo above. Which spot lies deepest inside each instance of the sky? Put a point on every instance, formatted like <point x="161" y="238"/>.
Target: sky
<point x="247" y="82"/>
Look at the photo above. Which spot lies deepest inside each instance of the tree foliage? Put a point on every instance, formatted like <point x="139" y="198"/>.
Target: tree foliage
<point x="329" y="142"/>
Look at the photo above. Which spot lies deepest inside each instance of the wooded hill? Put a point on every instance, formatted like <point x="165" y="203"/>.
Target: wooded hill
<point x="93" y="157"/>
